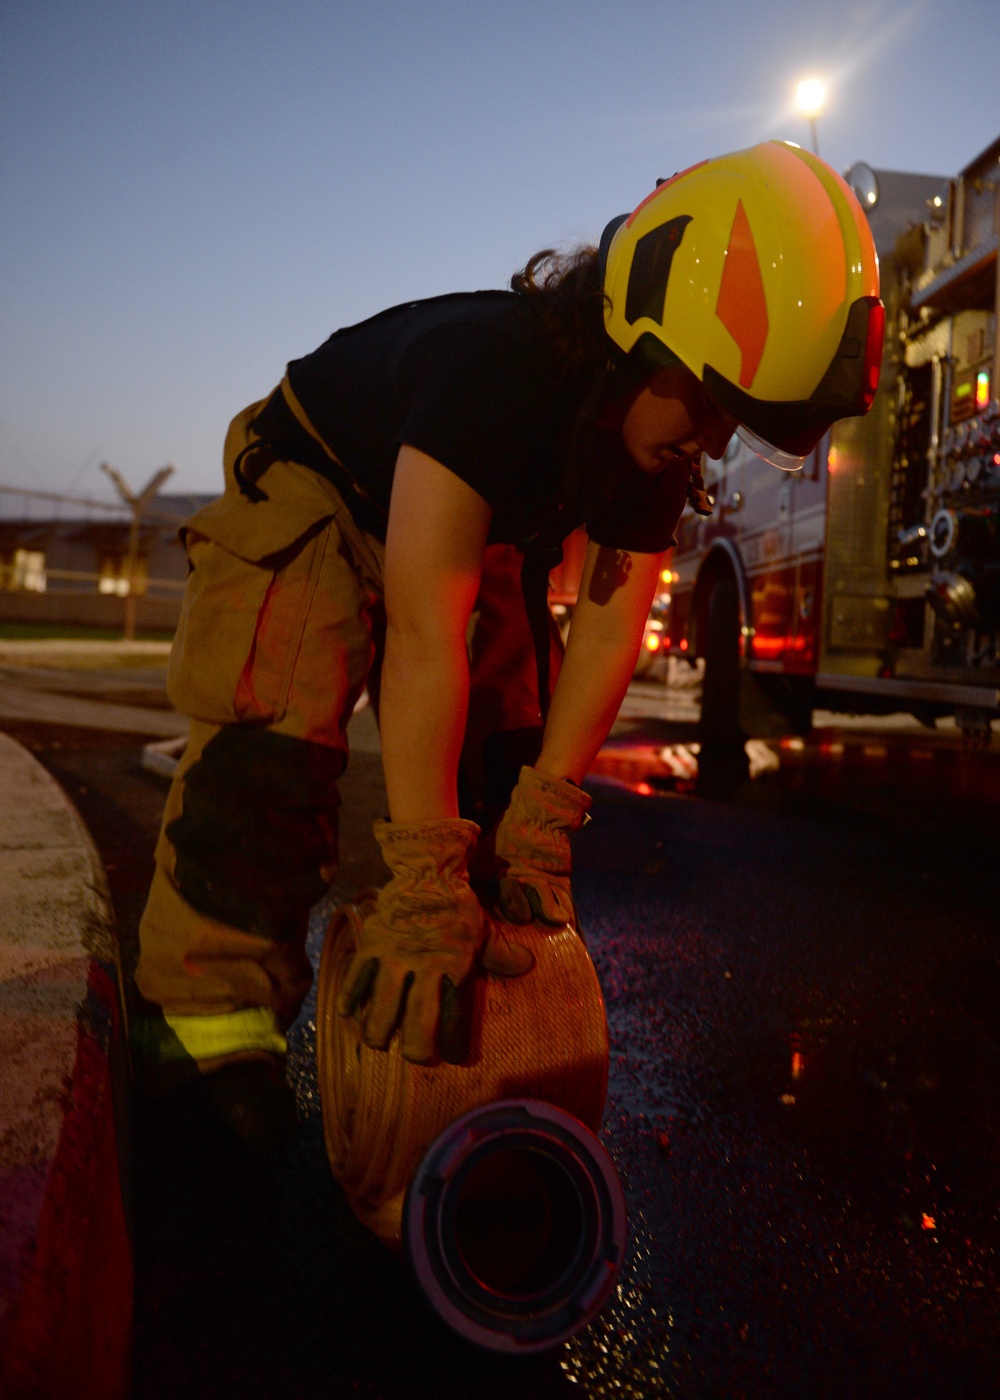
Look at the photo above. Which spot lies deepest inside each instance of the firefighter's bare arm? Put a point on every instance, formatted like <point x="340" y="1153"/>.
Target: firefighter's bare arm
<point x="532" y="843"/>
<point x="433" y="562"/>
<point x="417" y="950"/>
<point x="616" y="593"/>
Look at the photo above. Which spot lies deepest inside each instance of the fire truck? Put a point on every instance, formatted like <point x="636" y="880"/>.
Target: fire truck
<point x="869" y="581"/>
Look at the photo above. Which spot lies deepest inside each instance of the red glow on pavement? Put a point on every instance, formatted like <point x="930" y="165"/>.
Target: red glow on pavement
<point x="798" y="1064"/>
<point x="875" y="751"/>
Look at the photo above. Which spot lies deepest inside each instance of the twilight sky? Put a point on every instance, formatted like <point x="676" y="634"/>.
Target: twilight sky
<point x="196" y="191"/>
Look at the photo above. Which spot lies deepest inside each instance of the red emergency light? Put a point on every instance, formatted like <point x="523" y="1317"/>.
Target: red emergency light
<point x="873" y="353"/>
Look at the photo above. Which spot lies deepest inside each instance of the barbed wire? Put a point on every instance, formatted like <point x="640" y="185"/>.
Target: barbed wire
<point x="118" y="507"/>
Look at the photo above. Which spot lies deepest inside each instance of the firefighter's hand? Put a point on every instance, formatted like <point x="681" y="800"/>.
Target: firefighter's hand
<point x="417" y="952"/>
<point x="532" y="847"/>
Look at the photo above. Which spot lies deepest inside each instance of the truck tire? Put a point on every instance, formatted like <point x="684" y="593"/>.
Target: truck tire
<point x="772" y="707"/>
<point x="722" y="760"/>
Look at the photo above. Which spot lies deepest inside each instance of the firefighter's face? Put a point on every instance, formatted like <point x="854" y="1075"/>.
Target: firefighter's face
<point x="671" y="418"/>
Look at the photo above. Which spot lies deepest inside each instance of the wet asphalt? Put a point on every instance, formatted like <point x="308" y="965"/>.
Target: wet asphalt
<point x="803" y="991"/>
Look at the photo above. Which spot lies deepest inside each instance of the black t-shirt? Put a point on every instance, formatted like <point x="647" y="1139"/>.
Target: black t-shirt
<point x="465" y="379"/>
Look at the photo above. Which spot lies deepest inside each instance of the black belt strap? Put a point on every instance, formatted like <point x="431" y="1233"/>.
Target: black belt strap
<point x="284" y="438"/>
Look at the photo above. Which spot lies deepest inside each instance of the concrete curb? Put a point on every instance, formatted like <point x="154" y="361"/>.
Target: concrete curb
<point x="59" y="652"/>
<point x="65" y="1248"/>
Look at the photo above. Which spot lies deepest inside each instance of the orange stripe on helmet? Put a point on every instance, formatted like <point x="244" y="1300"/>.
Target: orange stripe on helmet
<point x="741" y="306"/>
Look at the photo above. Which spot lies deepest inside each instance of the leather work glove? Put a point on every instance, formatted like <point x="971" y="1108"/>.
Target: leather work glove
<point x="417" y="951"/>
<point x="532" y="846"/>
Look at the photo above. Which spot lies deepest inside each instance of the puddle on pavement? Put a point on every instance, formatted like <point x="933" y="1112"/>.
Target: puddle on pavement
<point x="918" y="1096"/>
<point x="626" y="1350"/>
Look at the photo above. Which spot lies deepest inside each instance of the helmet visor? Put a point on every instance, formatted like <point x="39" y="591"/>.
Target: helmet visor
<point x="785" y="432"/>
<point x="777" y="456"/>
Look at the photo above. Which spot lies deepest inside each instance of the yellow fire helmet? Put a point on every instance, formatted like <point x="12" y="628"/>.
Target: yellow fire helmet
<point x="757" y="270"/>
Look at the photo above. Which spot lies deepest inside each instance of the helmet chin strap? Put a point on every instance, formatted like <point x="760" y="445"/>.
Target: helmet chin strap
<point x="698" y="498"/>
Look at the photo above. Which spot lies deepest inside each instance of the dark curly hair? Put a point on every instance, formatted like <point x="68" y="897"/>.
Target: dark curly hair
<point x="562" y="293"/>
<point x="563" y="296"/>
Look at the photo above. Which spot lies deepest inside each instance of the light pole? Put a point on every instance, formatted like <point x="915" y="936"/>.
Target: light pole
<point x="136" y="504"/>
<point x="810" y="98"/>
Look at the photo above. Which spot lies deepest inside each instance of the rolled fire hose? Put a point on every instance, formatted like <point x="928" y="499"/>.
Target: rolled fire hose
<point x="486" y="1175"/>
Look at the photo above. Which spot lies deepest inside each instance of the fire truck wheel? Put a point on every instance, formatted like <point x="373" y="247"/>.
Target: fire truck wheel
<point x="772" y="707"/>
<point x="722" y="761"/>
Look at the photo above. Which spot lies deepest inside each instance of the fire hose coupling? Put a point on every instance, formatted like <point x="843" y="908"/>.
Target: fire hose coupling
<point x="515" y="1226"/>
<point x="515" y="1221"/>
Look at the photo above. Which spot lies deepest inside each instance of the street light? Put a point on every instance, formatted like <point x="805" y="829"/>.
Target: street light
<point x="810" y="98"/>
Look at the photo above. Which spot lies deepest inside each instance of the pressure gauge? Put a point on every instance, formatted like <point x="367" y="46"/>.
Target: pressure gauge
<point x="944" y="527"/>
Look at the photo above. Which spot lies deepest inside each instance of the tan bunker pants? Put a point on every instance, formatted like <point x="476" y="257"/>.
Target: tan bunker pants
<point x="280" y="631"/>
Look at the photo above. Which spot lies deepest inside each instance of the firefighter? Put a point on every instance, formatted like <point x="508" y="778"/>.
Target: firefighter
<point x="390" y="516"/>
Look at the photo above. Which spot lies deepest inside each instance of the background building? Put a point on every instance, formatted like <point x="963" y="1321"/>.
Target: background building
<point x="65" y="561"/>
